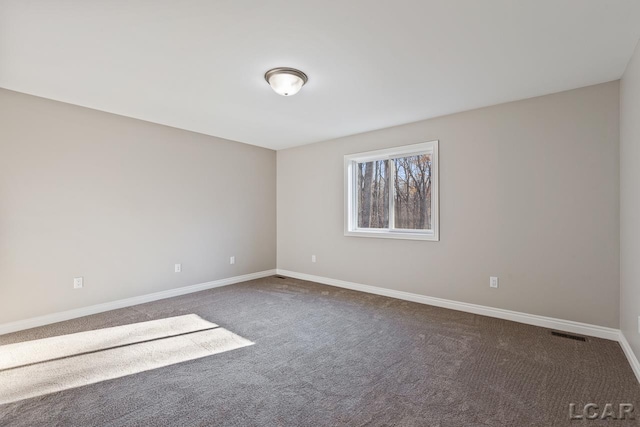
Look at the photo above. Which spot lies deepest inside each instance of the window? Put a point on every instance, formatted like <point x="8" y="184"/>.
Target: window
<point x="393" y="193"/>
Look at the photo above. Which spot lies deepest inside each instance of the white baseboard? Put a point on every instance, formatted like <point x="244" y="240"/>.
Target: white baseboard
<point x="128" y="302"/>
<point x="529" y="319"/>
<point x="631" y="357"/>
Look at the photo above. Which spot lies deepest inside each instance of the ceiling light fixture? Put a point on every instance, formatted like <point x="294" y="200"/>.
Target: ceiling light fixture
<point x="285" y="81"/>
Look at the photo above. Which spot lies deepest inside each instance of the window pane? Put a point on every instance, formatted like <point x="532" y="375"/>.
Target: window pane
<point x="412" y="198"/>
<point x="373" y="194"/>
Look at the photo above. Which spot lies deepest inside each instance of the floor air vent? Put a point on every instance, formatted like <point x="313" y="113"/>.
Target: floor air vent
<point x="571" y="337"/>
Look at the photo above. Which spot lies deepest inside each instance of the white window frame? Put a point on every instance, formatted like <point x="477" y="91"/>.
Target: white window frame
<point x="351" y="202"/>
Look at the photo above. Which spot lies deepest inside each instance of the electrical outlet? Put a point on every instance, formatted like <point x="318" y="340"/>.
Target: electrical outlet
<point x="493" y="282"/>
<point x="313" y="258"/>
<point x="232" y="260"/>
<point x="78" y="282"/>
<point x="178" y="268"/>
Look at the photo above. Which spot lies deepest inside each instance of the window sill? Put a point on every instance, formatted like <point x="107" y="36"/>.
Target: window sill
<point x="393" y="235"/>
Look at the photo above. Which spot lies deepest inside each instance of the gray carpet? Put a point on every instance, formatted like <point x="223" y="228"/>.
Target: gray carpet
<point x="44" y="366"/>
<point x="325" y="356"/>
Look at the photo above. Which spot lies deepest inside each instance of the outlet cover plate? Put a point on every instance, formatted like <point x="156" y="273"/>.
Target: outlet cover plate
<point x="493" y="282"/>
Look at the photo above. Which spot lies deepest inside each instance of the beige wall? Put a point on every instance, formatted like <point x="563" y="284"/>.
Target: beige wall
<point x="529" y="191"/>
<point x="630" y="202"/>
<point x="120" y="201"/>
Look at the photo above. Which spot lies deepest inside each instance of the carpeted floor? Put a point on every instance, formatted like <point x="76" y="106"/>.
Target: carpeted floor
<point x="325" y="356"/>
<point x="44" y="366"/>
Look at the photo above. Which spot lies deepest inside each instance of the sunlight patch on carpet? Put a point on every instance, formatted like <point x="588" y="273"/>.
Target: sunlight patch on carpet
<point x="36" y="368"/>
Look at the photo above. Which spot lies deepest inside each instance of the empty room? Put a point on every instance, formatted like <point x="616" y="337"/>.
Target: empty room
<point x="319" y="213"/>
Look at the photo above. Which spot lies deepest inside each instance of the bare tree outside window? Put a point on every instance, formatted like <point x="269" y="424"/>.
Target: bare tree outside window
<point x="412" y="183"/>
<point x="393" y="193"/>
<point x="373" y="194"/>
<point x="411" y="193"/>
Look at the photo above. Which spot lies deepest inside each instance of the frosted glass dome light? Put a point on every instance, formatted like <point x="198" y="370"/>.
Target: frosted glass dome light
<point x="285" y="81"/>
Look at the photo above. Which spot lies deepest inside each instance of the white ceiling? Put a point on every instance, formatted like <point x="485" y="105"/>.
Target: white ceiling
<point x="199" y="64"/>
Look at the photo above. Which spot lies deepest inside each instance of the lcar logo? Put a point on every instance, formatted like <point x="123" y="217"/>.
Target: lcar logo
<point x="608" y="411"/>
